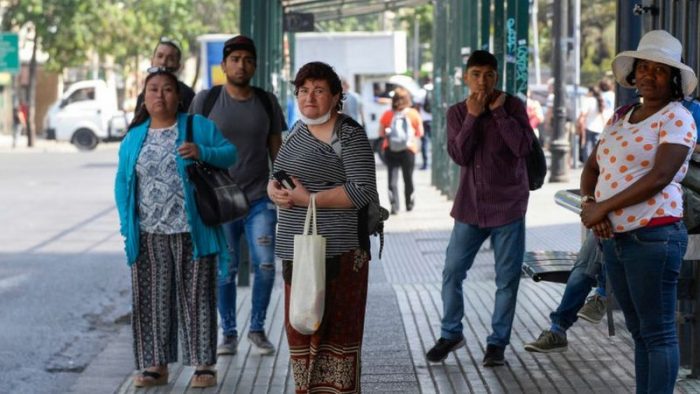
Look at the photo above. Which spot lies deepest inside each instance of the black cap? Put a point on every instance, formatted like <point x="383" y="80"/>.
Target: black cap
<point x="237" y="43"/>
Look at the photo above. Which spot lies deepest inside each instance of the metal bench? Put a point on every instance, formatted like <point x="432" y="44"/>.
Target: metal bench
<point x="549" y="265"/>
<point x="554" y="265"/>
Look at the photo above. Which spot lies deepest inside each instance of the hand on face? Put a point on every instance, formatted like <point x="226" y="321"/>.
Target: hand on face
<point x="476" y="103"/>
<point x="497" y="100"/>
<point x="481" y="81"/>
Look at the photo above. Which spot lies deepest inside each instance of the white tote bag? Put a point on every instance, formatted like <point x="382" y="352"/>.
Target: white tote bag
<point x="308" y="276"/>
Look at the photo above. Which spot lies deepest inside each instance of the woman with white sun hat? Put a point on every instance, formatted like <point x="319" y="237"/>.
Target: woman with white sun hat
<point x="632" y="200"/>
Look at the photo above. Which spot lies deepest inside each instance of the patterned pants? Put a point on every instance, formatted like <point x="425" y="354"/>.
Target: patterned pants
<point x="169" y="287"/>
<point x="328" y="361"/>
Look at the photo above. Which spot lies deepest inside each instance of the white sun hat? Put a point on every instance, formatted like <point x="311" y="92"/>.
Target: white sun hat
<point x="658" y="46"/>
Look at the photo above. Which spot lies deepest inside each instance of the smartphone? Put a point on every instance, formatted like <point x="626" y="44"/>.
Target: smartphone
<point x="284" y="179"/>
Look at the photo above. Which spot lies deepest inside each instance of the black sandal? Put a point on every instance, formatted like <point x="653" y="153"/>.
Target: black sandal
<point x="156" y="379"/>
<point x="197" y="384"/>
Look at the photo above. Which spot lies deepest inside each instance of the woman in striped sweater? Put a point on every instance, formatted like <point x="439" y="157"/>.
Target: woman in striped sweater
<point x="328" y="154"/>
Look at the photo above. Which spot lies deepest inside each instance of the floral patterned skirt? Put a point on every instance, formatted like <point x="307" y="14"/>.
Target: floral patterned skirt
<point x="328" y="361"/>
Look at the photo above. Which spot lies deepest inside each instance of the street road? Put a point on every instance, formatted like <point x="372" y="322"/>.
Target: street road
<point x="64" y="283"/>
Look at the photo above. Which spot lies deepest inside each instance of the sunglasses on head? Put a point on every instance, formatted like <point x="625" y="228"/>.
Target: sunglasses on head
<point x="159" y="70"/>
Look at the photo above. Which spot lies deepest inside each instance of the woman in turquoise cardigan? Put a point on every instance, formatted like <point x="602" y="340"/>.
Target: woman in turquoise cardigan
<point x="172" y="253"/>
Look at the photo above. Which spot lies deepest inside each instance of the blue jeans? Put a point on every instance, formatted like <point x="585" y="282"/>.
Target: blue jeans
<point x="259" y="226"/>
<point x="579" y="284"/>
<point x="508" y="243"/>
<point x="643" y="266"/>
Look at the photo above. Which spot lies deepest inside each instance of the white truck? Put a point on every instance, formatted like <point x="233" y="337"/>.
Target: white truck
<point x="85" y="114"/>
<point x="369" y="61"/>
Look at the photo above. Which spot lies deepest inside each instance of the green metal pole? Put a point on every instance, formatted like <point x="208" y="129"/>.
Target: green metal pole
<point x="485" y="24"/>
<point x="440" y="82"/>
<point x="510" y="46"/>
<point x="247" y="29"/>
<point x="247" y="17"/>
<point x="498" y="41"/>
<point x="523" y="49"/>
<point x="473" y="24"/>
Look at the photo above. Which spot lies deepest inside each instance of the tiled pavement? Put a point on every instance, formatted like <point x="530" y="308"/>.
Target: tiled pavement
<point x="403" y="321"/>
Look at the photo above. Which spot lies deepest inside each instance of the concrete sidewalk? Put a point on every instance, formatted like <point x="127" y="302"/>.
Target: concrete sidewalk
<point x="403" y="322"/>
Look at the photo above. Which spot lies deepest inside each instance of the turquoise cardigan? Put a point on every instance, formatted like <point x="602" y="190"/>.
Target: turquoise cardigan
<point x="213" y="149"/>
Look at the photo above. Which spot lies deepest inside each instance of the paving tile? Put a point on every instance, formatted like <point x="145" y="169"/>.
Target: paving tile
<point x="404" y="309"/>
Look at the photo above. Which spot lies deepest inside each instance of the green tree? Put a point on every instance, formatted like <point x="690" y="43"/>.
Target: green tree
<point x="597" y="37"/>
<point x="62" y="28"/>
<point x="423" y="16"/>
<point x="597" y="40"/>
<point x="121" y="31"/>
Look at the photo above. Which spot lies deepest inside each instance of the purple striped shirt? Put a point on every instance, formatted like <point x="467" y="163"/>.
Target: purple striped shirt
<point x="491" y="150"/>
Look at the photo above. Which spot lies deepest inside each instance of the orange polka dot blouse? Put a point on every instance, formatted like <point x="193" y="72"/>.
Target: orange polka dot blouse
<point x="626" y="153"/>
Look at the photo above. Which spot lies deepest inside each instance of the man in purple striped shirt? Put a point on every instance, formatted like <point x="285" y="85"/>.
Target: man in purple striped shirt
<point x="489" y="136"/>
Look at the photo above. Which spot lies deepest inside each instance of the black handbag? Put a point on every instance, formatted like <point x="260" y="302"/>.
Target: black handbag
<point x="218" y="197"/>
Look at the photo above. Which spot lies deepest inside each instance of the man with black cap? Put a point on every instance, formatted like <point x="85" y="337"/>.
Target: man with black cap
<point x="251" y="119"/>
<point x="168" y="55"/>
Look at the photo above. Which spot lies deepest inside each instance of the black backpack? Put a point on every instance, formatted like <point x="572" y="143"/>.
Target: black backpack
<point x="536" y="165"/>
<point x="215" y="91"/>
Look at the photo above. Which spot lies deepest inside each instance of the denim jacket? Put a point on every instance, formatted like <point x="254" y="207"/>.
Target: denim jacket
<point x="213" y="149"/>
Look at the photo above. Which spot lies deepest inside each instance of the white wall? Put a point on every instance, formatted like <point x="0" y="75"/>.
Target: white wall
<point x="353" y="53"/>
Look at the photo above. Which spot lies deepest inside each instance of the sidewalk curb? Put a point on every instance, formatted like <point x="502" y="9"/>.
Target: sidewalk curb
<point x="109" y="369"/>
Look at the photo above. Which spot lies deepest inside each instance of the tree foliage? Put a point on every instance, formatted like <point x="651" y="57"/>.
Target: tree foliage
<point x="65" y="29"/>
<point x="597" y="37"/>
<point x="69" y="30"/>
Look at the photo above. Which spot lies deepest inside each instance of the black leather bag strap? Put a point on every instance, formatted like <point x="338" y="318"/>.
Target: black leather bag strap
<point x="188" y="135"/>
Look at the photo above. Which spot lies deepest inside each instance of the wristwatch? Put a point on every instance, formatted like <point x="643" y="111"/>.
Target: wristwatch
<point x="587" y="198"/>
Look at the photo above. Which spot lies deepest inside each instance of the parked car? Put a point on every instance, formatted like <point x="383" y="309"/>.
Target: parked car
<point x="85" y="114"/>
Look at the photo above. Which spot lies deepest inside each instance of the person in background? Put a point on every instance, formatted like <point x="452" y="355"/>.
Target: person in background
<point x="401" y="127"/>
<point x="19" y="123"/>
<point x="534" y="113"/>
<point x="489" y="137"/>
<point x="632" y="200"/>
<point x="425" y="113"/>
<point x="172" y="253"/>
<point x="327" y="154"/>
<point x="252" y="119"/>
<point x="693" y="106"/>
<point x="352" y="106"/>
<point x="586" y="269"/>
<point x="606" y="91"/>
<point x="594" y="114"/>
<point x="547" y="129"/>
<point x="168" y="55"/>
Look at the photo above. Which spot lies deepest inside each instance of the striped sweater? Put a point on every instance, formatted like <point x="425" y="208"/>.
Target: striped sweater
<point x="320" y="168"/>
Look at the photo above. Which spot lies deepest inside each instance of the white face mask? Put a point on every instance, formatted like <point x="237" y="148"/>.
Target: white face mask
<point x="315" y="122"/>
